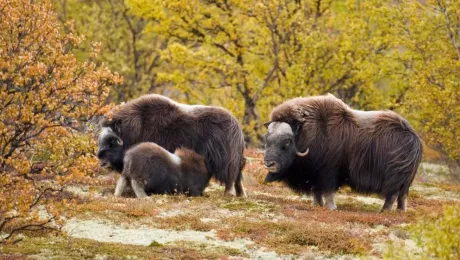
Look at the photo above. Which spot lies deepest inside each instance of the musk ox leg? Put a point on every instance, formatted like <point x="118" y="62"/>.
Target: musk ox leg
<point x="402" y="202"/>
<point x="330" y="200"/>
<point x="318" y="199"/>
<point x="389" y="201"/>
<point x="121" y="186"/>
<point x="138" y="189"/>
<point x="230" y="189"/>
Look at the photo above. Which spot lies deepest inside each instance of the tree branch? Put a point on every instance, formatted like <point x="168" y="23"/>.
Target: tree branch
<point x="449" y="29"/>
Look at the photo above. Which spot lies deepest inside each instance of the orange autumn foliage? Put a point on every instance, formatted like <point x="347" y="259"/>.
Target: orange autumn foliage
<point x="47" y="98"/>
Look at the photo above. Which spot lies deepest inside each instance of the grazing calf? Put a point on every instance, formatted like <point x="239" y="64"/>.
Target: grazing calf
<point x="371" y="151"/>
<point x="153" y="170"/>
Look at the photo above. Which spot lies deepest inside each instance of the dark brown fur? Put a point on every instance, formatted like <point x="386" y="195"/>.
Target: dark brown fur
<point x="152" y="166"/>
<point x="210" y="131"/>
<point x="375" y="152"/>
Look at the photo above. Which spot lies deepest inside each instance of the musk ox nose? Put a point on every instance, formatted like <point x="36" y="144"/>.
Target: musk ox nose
<point x="269" y="164"/>
<point x="100" y="154"/>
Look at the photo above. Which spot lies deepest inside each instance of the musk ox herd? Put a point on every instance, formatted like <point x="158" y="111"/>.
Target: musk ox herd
<point x="314" y="145"/>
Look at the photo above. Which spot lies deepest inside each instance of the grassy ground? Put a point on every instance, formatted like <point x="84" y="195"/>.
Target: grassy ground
<point x="271" y="223"/>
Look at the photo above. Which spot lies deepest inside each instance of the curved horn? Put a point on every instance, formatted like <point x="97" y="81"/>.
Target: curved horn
<point x="302" y="154"/>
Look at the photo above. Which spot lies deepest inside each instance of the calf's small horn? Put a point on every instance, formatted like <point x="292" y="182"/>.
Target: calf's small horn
<point x="302" y="154"/>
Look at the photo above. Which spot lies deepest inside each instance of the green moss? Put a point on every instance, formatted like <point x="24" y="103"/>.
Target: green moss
<point x="248" y="205"/>
<point x="75" y="248"/>
<point x="155" y="244"/>
<point x="184" y="222"/>
<point x="213" y="251"/>
<point x="355" y="205"/>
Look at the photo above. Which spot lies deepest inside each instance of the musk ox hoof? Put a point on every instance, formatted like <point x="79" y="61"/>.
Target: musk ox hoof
<point x="317" y="203"/>
<point x="242" y="195"/>
<point x="385" y="209"/>
<point x="230" y="190"/>
<point x="317" y="200"/>
<point x="331" y="206"/>
<point x="230" y="193"/>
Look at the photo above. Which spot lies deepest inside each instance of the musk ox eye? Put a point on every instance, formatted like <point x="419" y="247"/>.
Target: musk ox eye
<point x="286" y="145"/>
<point x="113" y="143"/>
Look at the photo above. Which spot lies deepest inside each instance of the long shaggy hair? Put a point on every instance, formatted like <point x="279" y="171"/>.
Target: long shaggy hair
<point x="373" y="152"/>
<point x="210" y="131"/>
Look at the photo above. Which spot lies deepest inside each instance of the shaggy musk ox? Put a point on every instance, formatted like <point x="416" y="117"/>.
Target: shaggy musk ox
<point x="151" y="169"/>
<point x="316" y="144"/>
<point x="209" y="131"/>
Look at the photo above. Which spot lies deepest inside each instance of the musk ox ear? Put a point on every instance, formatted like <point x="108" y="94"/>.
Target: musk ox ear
<point x="116" y="141"/>
<point x="296" y="127"/>
<point x="117" y="127"/>
<point x="267" y="124"/>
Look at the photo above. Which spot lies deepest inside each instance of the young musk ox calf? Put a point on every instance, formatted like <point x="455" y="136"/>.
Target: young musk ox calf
<point x="371" y="151"/>
<point x="209" y="131"/>
<point x="151" y="169"/>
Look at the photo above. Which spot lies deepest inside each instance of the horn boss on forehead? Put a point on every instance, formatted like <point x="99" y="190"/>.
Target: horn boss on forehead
<point x="110" y="149"/>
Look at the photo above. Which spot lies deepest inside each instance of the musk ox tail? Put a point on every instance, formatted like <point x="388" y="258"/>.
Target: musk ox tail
<point x="236" y="161"/>
<point x="403" y="161"/>
<point x="386" y="160"/>
<point x="224" y="147"/>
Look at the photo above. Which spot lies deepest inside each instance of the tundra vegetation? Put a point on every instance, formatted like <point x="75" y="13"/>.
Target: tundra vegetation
<point x="247" y="56"/>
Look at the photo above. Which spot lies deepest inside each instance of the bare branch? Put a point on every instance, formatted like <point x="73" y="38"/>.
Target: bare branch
<point x="449" y="29"/>
<point x="40" y="226"/>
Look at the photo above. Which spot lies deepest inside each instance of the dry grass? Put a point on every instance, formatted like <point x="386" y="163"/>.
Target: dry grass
<point x="273" y="217"/>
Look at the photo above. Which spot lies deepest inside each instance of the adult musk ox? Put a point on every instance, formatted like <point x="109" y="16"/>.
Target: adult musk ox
<point x="209" y="131"/>
<point x="316" y="144"/>
<point x="151" y="169"/>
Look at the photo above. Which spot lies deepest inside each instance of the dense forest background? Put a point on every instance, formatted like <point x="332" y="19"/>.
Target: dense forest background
<point x="249" y="56"/>
<point x="65" y="62"/>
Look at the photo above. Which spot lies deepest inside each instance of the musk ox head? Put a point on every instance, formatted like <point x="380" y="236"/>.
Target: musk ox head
<point x="110" y="149"/>
<point x="280" y="150"/>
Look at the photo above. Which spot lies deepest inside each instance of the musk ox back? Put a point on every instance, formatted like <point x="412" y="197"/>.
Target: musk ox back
<point x="372" y="152"/>
<point x="150" y="169"/>
<point x="210" y="131"/>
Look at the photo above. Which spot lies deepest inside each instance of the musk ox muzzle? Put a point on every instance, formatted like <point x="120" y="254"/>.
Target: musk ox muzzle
<point x="280" y="150"/>
<point x="110" y="149"/>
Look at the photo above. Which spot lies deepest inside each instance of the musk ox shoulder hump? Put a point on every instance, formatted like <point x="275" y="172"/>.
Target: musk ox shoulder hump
<point x="315" y="107"/>
<point x="184" y="108"/>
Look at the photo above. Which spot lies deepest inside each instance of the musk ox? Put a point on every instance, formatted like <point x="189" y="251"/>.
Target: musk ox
<point x="209" y="131"/>
<point x="151" y="169"/>
<point x="317" y="144"/>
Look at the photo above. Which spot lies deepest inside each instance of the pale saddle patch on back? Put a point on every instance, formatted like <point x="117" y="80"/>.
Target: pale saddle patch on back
<point x="174" y="158"/>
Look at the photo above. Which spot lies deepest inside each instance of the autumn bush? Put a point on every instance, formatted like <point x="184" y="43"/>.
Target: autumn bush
<point x="47" y="99"/>
<point x="436" y="239"/>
